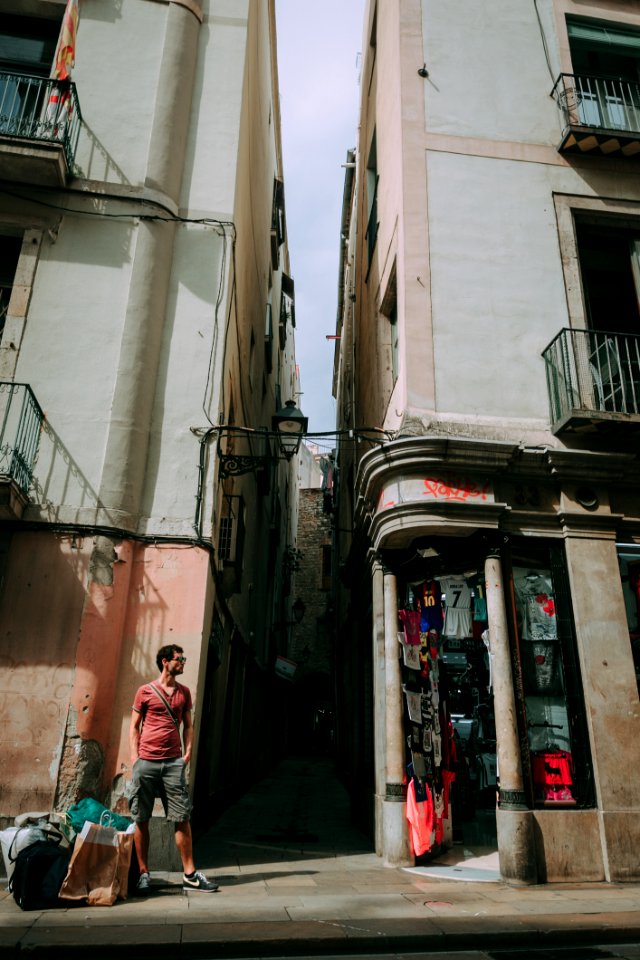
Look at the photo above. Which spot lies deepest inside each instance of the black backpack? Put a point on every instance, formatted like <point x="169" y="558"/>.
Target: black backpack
<point x="37" y="877"/>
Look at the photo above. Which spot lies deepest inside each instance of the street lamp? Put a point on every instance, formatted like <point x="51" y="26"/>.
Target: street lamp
<point x="290" y="424"/>
<point x="298" y="610"/>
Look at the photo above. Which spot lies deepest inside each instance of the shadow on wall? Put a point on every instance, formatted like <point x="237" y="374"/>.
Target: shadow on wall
<point x="40" y="609"/>
<point x="58" y="480"/>
<point x="98" y="164"/>
<point x="106" y="12"/>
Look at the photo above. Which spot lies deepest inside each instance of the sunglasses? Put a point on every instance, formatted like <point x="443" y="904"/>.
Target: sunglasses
<point x="180" y="659"/>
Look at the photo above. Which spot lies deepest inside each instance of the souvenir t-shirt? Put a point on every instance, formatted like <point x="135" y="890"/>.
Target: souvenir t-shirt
<point x="430" y="601"/>
<point x="479" y="598"/>
<point x="534" y="593"/>
<point x="411" y="623"/>
<point x="159" y="737"/>
<point x="457" y="617"/>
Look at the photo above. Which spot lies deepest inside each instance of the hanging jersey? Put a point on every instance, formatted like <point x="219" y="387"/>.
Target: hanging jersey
<point x="457" y="615"/>
<point x="430" y="601"/>
<point x="420" y="817"/>
<point x="411" y="624"/>
<point x="536" y="606"/>
<point x="479" y="598"/>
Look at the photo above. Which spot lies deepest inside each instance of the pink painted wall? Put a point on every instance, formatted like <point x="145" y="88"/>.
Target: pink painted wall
<point x="169" y="601"/>
<point x="78" y="649"/>
<point x="40" y="611"/>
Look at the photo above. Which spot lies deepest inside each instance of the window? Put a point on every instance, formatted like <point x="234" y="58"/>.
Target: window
<point x="226" y="539"/>
<point x="268" y="336"/>
<point x="393" y="324"/>
<point x="389" y="309"/>
<point x="609" y="258"/>
<point x="252" y="360"/>
<point x="629" y="560"/>
<point x="277" y="222"/>
<point x="27" y="49"/>
<point x="28" y="44"/>
<point x="287" y="309"/>
<point x="231" y="531"/>
<point x="548" y="685"/>
<point x="9" y="254"/>
<point x="372" y="200"/>
<point x="606" y="63"/>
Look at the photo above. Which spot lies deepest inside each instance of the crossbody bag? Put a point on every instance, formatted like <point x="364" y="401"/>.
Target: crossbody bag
<point x="160" y="694"/>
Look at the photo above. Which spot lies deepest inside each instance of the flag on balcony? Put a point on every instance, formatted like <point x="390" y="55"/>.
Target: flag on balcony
<point x="65" y="57"/>
<point x="60" y="104"/>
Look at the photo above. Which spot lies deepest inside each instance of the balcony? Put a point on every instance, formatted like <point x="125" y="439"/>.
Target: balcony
<point x="20" y="425"/>
<point x="40" y="122"/>
<point x="593" y="379"/>
<point x="600" y="115"/>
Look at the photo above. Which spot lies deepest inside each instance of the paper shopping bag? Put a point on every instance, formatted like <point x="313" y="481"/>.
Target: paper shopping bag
<point x="99" y="865"/>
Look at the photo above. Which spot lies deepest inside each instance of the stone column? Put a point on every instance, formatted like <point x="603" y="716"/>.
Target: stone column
<point x="610" y="690"/>
<point x="516" y="840"/>
<point x="395" y="841"/>
<point x="379" y="699"/>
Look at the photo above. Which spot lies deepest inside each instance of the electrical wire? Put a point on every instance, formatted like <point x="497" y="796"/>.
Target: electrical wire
<point x="119" y="533"/>
<point x="153" y="217"/>
<point x="544" y="41"/>
<point x="214" y="338"/>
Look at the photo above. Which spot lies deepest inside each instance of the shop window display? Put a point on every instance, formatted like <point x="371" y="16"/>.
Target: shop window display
<point x="443" y="630"/>
<point x="548" y="682"/>
<point x="450" y="734"/>
<point x="629" y="560"/>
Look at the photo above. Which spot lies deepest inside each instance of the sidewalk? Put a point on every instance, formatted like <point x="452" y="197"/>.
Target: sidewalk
<point x="296" y="878"/>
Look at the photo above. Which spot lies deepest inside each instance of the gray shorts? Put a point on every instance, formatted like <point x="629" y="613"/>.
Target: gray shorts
<point x="166" y="779"/>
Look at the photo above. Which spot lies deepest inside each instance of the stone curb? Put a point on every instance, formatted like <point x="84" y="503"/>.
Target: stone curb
<point x="232" y="941"/>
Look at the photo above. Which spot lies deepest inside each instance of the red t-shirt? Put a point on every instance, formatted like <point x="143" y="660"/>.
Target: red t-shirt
<point x="159" y="737"/>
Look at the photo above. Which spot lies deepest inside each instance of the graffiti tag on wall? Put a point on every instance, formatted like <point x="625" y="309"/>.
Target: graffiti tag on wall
<point x="456" y="488"/>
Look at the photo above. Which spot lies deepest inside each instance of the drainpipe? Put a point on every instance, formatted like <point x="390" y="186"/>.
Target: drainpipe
<point x="127" y="446"/>
<point x="516" y="840"/>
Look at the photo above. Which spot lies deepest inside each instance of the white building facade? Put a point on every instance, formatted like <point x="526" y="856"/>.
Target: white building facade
<point x="146" y="300"/>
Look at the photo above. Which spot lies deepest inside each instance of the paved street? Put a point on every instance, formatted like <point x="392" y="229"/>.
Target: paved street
<point x="609" y="952"/>
<point x="298" y="880"/>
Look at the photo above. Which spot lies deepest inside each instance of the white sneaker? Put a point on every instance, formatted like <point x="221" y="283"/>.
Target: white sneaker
<point x="199" y="882"/>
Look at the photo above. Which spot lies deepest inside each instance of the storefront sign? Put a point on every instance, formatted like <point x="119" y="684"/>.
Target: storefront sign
<point x="457" y="488"/>
<point x="285" y="668"/>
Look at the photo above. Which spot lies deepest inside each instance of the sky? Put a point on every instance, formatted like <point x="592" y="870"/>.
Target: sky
<point x="319" y="43"/>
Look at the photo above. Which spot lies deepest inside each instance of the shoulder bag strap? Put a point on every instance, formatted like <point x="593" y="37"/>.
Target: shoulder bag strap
<point x="160" y="694"/>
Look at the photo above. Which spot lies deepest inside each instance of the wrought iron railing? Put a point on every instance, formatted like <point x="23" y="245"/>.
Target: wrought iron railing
<point x="593" y="371"/>
<point x="20" y="426"/>
<point x="34" y="108"/>
<point x="608" y="103"/>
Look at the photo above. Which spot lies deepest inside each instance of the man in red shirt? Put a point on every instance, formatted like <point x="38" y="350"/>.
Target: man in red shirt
<point x="159" y="765"/>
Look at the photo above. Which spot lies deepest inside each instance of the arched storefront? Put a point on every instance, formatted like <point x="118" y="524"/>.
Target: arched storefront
<point x="501" y="654"/>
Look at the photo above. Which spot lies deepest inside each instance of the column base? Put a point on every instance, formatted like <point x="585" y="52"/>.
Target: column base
<point x="516" y="846"/>
<point x="396" y="849"/>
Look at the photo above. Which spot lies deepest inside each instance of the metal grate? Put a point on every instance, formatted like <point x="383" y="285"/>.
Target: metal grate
<point x="225" y="538"/>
